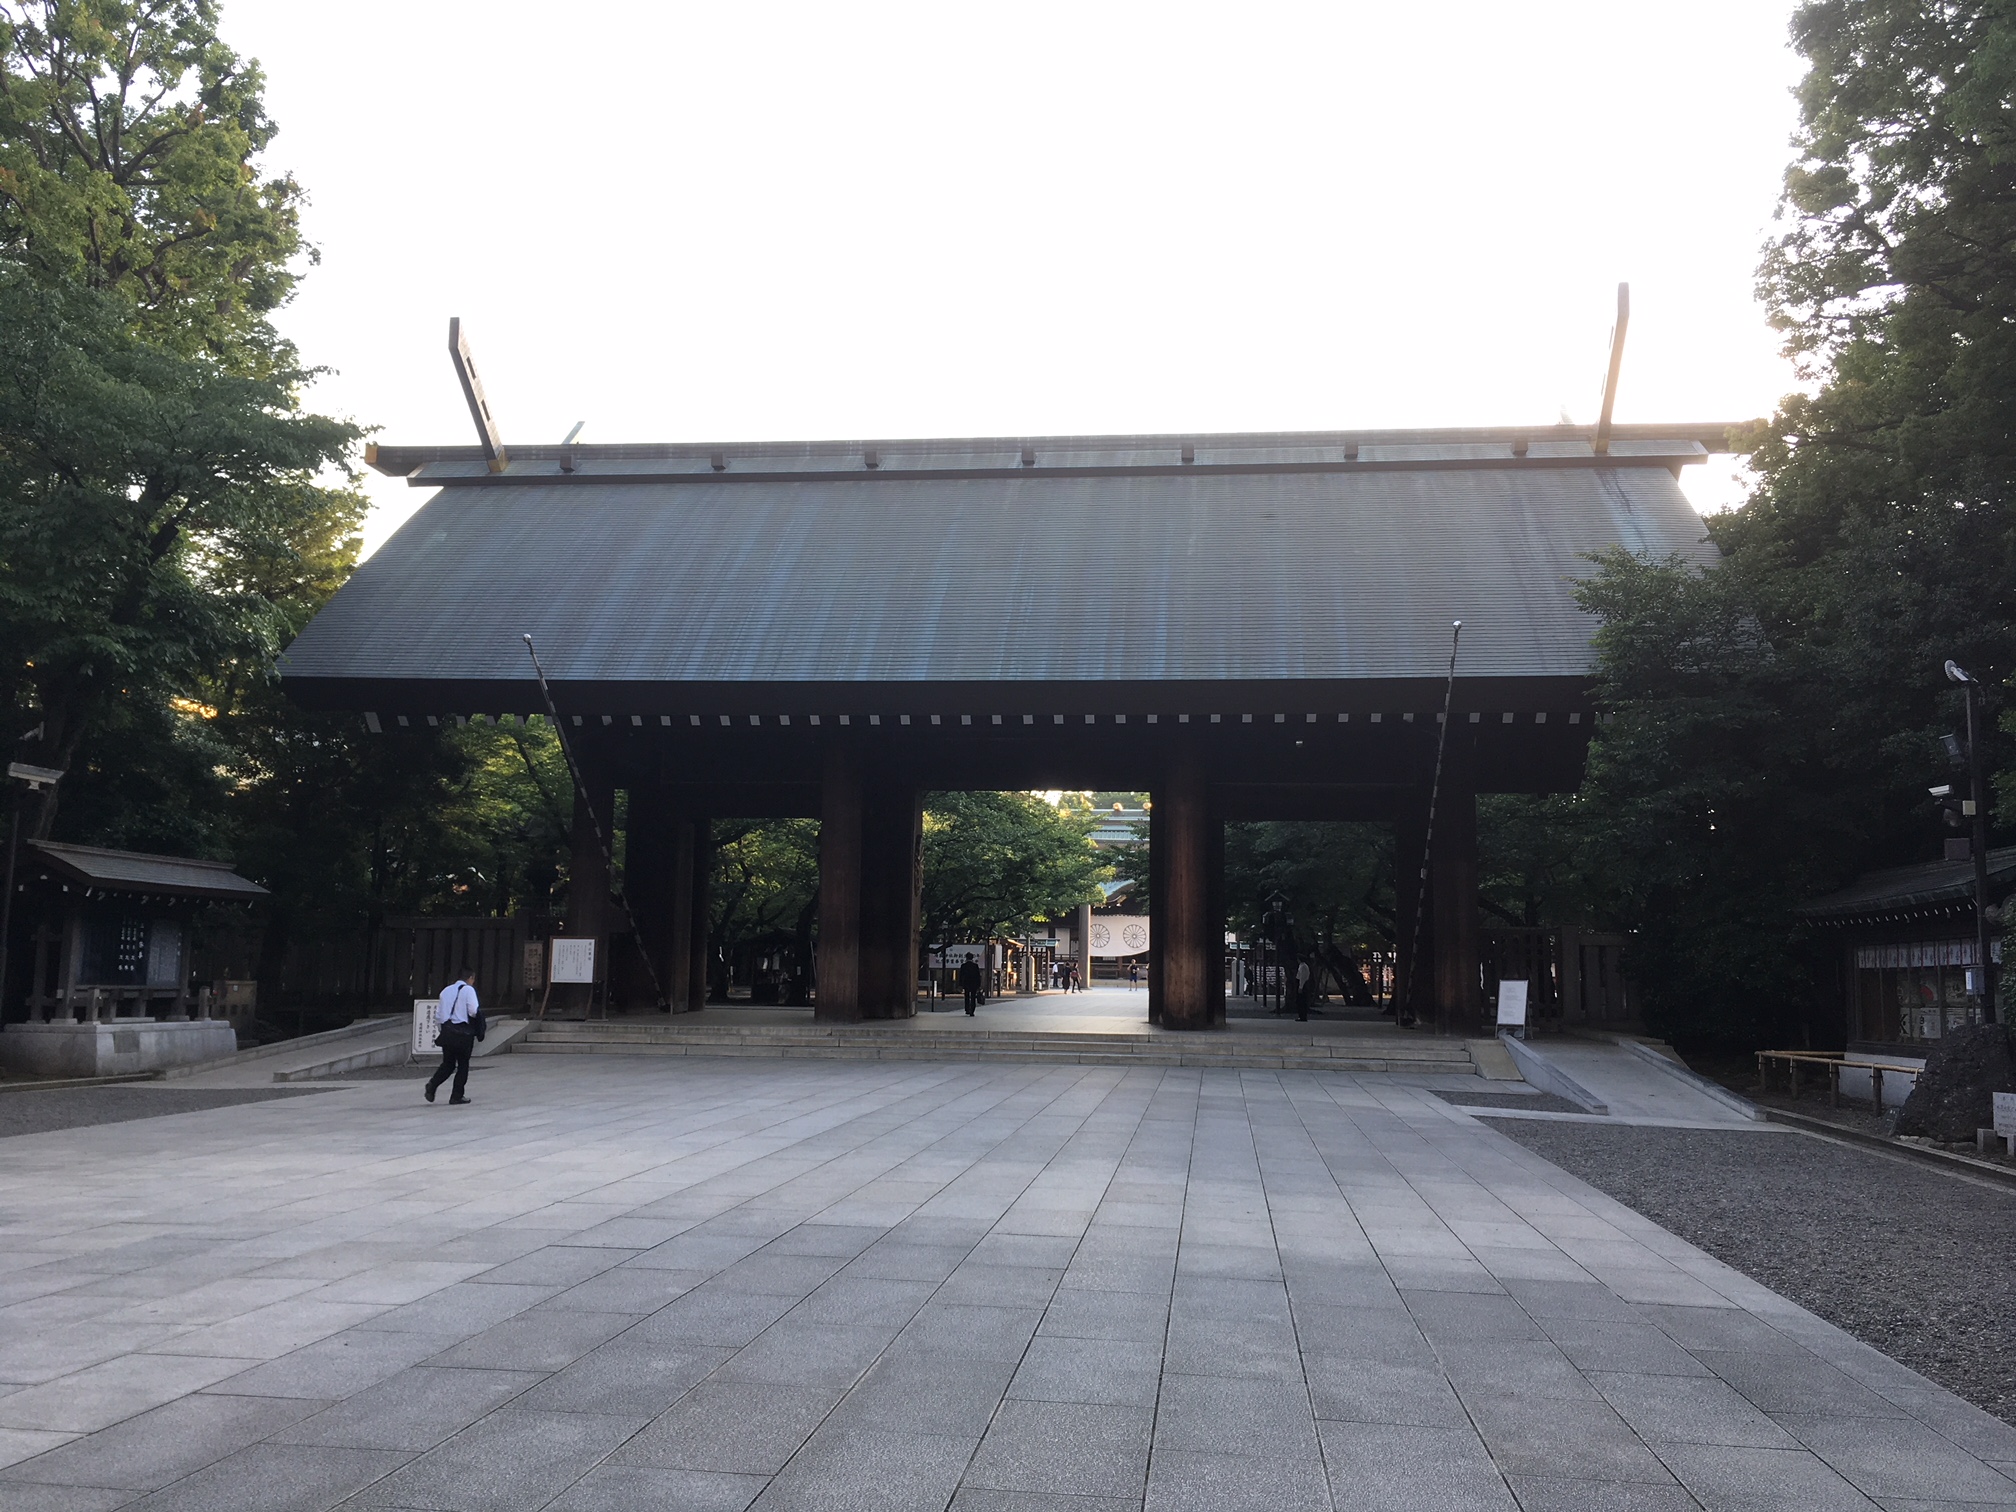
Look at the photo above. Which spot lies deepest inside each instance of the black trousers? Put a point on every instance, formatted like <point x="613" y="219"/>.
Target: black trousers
<point x="456" y="1045"/>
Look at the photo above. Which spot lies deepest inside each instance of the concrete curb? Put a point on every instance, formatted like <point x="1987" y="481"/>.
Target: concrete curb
<point x="501" y="1036"/>
<point x="1731" y="1100"/>
<point x="282" y="1047"/>
<point x="1953" y="1165"/>
<point x="81" y="1081"/>
<point x="397" y="1053"/>
<point x="1548" y="1077"/>
<point x="1493" y="1061"/>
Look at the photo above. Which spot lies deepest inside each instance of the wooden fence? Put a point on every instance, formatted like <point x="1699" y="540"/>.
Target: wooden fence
<point x="403" y="959"/>
<point x="1573" y="976"/>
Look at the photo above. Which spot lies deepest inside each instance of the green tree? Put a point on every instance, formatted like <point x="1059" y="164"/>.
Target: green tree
<point x="1338" y="878"/>
<point x="1728" y="788"/>
<point x="1881" y="539"/>
<point x="995" y="861"/>
<point x="1778" y="717"/>
<point x="161" y="519"/>
<point x="129" y="140"/>
<point x="765" y="891"/>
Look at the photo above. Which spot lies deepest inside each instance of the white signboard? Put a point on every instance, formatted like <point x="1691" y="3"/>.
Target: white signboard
<point x="1512" y="1005"/>
<point x="952" y="957"/>
<point x="2005" y="1113"/>
<point x="423" y="1025"/>
<point x="1119" y="934"/>
<point x="573" y="961"/>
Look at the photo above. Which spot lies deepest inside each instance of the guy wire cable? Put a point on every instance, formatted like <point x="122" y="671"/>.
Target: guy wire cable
<point x="602" y="839"/>
<point x="1428" y="845"/>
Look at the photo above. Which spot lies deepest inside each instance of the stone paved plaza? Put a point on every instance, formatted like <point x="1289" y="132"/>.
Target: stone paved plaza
<point x="636" y="1284"/>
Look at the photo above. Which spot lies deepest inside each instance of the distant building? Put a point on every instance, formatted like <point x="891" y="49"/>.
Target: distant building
<point x="1905" y="942"/>
<point x="1120" y="826"/>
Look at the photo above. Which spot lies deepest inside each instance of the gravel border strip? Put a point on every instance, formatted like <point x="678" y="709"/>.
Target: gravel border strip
<point x="1908" y="1258"/>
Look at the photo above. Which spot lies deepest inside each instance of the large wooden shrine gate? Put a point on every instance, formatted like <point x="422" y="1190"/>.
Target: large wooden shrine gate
<point x="1246" y="626"/>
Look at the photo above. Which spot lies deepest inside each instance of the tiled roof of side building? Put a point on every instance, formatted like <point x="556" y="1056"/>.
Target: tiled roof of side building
<point x="1901" y="888"/>
<point x="140" y="872"/>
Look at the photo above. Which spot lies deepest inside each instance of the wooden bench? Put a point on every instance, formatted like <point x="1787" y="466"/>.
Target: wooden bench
<point x="1835" y="1062"/>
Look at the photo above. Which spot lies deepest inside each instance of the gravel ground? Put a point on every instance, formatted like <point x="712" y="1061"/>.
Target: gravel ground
<point x="78" y="1107"/>
<point x="1531" y="1102"/>
<point x="1910" y="1260"/>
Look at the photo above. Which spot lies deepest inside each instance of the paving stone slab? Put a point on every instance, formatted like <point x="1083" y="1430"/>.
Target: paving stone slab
<point x="696" y="1283"/>
<point x="159" y="1447"/>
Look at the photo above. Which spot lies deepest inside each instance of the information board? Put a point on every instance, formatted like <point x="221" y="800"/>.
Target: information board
<point x="423" y="1025"/>
<point x="2005" y="1113"/>
<point x="1512" y="1005"/>
<point x="573" y="961"/>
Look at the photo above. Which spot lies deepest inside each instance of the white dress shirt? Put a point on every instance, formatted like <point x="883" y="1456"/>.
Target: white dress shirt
<point x="458" y="1004"/>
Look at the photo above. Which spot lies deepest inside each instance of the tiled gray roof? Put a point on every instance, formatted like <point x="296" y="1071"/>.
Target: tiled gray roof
<point x="138" y="872"/>
<point x="1906" y="888"/>
<point x="1129" y="574"/>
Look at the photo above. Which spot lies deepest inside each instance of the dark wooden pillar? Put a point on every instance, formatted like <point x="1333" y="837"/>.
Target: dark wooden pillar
<point x="1158" y="836"/>
<point x="840" y="829"/>
<point x="652" y="865"/>
<point x="1186" y="945"/>
<point x="892" y="877"/>
<point x="590" y="910"/>
<point x="700" y="892"/>
<point x="677" y="975"/>
<point x="1215" y="906"/>
<point x="1459" y="1002"/>
<point x="1411" y="945"/>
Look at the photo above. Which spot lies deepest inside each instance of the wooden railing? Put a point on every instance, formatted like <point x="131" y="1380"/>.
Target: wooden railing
<point x="1832" y="1062"/>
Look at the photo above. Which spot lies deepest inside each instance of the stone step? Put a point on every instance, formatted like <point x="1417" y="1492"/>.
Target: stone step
<point x="1422" y="1049"/>
<point x="1272" y="1045"/>
<point x="1012" y="1057"/>
<point x="1381" y="1054"/>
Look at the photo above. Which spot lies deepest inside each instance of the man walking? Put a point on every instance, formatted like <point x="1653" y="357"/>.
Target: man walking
<point x="969" y="982"/>
<point x="458" y="1020"/>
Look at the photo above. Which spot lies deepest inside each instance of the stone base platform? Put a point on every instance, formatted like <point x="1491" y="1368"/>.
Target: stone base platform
<point x="117" y="1048"/>
<point x="918" y="1039"/>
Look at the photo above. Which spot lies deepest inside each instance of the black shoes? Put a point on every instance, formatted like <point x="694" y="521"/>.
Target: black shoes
<point x="455" y="1100"/>
<point x="430" y="1091"/>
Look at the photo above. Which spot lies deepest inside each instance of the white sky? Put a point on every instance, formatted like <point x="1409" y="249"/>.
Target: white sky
<point x="739" y="221"/>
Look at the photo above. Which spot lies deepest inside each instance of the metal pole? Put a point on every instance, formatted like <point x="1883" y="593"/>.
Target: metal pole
<point x="7" y="900"/>
<point x="601" y="839"/>
<point x="1428" y="844"/>
<point x="1977" y="782"/>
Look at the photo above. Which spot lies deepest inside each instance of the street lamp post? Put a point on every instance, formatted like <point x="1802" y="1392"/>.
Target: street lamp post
<point x="1978" y="803"/>
<point x="36" y="778"/>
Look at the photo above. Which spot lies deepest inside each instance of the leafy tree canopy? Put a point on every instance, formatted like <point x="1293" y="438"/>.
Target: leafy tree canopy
<point x="1778" y="717"/>
<point x="1338" y="878"/>
<point x="766" y="884"/>
<point x="994" y="861"/>
<point x="129" y="134"/>
<point x="161" y="520"/>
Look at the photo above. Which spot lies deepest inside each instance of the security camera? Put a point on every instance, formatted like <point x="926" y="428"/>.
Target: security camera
<point x="36" y="777"/>
<point x="1944" y="790"/>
